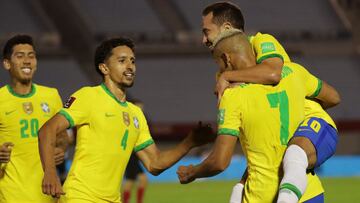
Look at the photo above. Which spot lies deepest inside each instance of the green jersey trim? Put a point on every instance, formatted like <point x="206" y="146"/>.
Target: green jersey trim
<point x="227" y="131"/>
<point x="292" y="188"/>
<point x="144" y="145"/>
<point x="260" y="60"/>
<point x="318" y="89"/>
<point x="113" y="96"/>
<point x="68" y="117"/>
<point x="31" y="93"/>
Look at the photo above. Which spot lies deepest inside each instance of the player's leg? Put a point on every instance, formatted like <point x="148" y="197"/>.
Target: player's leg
<point x="313" y="143"/>
<point x="142" y="183"/>
<point x="127" y="187"/>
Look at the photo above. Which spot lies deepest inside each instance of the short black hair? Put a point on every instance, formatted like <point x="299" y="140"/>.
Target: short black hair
<point x="15" y="40"/>
<point x="226" y="12"/>
<point x="104" y="50"/>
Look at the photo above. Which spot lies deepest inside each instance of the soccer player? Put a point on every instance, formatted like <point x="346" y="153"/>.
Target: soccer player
<point x="306" y="150"/>
<point x="240" y="111"/>
<point x="24" y="108"/>
<point x="109" y="129"/>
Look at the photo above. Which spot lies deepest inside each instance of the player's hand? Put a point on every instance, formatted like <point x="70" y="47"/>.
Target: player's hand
<point x="59" y="155"/>
<point x="202" y="134"/>
<point x="186" y="174"/>
<point x="51" y="185"/>
<point x="236" y="194"/>
<point x="221" y="85"/>
<point x="5" y="152"/>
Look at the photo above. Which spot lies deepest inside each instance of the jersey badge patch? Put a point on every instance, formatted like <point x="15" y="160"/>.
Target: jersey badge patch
<point x="28" y="107"/>
<point x="69" y="102"/>
<point x="126" y="118"/>
<point x="45" y="107"/>
<point x="267" y="47"/>
<point x="136" y="122"/>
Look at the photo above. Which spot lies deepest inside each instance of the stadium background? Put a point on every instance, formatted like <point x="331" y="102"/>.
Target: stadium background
<point x="175" y="73"/>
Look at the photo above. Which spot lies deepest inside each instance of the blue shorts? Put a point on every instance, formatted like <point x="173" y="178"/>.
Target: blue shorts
<point x="316" y="199"/>
<point x="323" y="136"/>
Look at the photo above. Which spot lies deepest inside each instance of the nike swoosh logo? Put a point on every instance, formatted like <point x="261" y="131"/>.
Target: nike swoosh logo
<point x="9" y="112"/>
<point x="109" y="115"/>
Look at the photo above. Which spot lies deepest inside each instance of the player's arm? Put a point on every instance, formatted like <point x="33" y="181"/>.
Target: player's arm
<point x="328" y="96"/>
<point x="217" y="161"/>
<point x="156" y="161"/>
<point x="5" y="152"/>
<point x="267" y="72"/>
<point x="62" y="142"/>
<point x="47" y="142"/>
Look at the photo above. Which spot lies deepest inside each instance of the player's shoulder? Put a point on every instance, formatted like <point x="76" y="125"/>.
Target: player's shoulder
<point x="88" y="90"/>
<point x="134" y="108"/>
<point x="238" y="90"/>
<point x="3" y="89"/>
<point x="45" y="89"/>
<point x="262" y="37"/>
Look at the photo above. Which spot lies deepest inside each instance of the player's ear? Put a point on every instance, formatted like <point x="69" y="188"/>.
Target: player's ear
<point x="227" y="26"/>
<point x="103" y="68"/>
<point x="6" y="64"/>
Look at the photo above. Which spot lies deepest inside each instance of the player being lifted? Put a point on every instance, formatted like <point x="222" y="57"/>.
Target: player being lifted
<point x="261" y="139"/>
<point x="304" y="153"/>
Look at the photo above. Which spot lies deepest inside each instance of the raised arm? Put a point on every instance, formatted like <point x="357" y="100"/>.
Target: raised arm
<point x="47" y="142"/>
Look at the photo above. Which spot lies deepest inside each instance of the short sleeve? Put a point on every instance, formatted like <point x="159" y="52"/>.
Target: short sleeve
<point x="144" y="140"/>
<point x="312" y="83"/>
<point x="229" y="114"/>
<point x="77" y="109"/>
<point x="266" y="46"/>
<point x="57" y="102"/>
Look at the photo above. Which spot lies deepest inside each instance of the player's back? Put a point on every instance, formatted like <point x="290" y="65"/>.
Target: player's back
<point x="268" y="116"/>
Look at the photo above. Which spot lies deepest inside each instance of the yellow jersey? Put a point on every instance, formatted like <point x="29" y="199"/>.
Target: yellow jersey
<point x="265" y="118"/>
<point x="266" y="46"/>
<point x="21" y="116"/>
<point x="107" y="132"/>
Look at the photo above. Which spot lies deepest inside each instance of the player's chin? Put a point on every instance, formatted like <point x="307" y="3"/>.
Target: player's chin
<point x="128" y="84"/>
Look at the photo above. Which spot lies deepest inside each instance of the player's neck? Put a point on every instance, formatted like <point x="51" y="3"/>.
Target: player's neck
<point x="118" y="92"/>
<point x="21" y="88"/>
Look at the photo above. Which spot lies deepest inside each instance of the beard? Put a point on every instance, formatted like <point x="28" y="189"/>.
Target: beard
<point x="127" y="84"/>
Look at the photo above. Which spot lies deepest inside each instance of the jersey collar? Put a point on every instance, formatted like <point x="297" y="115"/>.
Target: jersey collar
<point x="31" y="93"/>
<point x="113" y="96"/>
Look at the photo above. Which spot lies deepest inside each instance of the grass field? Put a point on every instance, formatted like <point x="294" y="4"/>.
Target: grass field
<point x="337" y="190"/>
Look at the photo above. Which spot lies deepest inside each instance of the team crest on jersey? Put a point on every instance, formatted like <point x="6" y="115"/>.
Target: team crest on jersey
<point x="126" y="118"/>
<point x="136" y="122"/>
<point x="45" y="107"/>
<point x="69" y="102"/>
<point x="28" y="107"/>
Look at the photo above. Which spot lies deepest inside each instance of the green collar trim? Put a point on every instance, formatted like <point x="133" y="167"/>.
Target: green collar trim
<point x="124" y="104"/>
<point x="31" y="93"/>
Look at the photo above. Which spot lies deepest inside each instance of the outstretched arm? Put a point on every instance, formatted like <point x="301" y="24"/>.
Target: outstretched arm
<point x="47" y="142"/>
<point x="156" y="161"/>
<point x="218" y="160"/>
